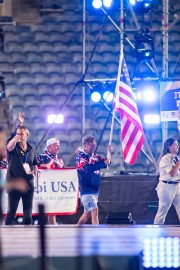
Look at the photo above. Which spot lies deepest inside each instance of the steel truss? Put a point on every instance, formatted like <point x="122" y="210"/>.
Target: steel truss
<point x="152" y="66"/>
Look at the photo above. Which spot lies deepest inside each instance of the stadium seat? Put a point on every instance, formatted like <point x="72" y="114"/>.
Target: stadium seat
<point x="59" y="47"/>
<point x="29" y="46"/>
<point x="39" y="28"/>
<point x="41" y="37"/>
<point x="13" y="46"/>
<point x="33" y="57"/>
<point x="40" y="78"/>
<point x="26" y="36"/>
<point x="48" y="57"/>
<point x="52" y="67"/>
<point x="24" y="68"/>
<point x="29" y="94"/>
<point x="56" y="36"/>
<point x="36" y="120"/>
<point x="10" y="77"/>
<point x="49" y="20"/>
<point x="44" y="46"/>
<point x="71" y="77"/>
<point x="56" y="79"/>
<point x="77" y="58"/>
<point x="45" y="93"/>
<point x="24" y="80"/>
<point x="29" y="86"/>
<point x="19" y="64"/>
<point x="24" y="77"/>
<point x="15" y="98"/>
<point x="33" y="105"/>
<point x="17" y="105"/>
<point x="59" y="88"/>
<point x="63" y="57"/>
<point x="11" y="36"/>
<point x="40" y="128"/>
<point x="49" y="106"/>
<point x="4" y="57"/>
<point x="37" y="67"/>
<point x="6" y="67"/>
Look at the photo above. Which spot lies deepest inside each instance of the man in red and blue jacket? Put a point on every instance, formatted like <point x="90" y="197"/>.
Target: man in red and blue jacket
<point x="88" y="166"/>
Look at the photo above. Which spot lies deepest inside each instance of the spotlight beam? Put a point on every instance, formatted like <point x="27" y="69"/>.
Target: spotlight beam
<point x="121" y="31"/>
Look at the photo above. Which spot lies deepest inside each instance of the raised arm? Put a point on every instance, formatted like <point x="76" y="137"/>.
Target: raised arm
<point x="12" y="143"/>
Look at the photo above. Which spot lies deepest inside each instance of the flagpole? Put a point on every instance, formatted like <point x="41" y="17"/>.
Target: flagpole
<point x="118" y="76"/>
<point x="113" y="113"/>
<point x="122" y="167"/>
<point x="112" y="128"/>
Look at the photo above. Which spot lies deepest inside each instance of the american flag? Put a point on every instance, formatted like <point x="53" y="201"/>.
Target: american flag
<point x="131" y="128"/>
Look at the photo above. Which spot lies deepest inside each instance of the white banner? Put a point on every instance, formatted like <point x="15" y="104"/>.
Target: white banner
<point x="57" y="190"/>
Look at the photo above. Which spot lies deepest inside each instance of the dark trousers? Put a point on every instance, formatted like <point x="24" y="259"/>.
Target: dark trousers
<point x="14" y="197"/>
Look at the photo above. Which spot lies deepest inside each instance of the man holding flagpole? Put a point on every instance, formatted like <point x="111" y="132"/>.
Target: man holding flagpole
<point x="88" y="165"/>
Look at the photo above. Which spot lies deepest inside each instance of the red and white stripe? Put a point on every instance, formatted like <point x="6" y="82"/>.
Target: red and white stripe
<point x="131" y="128"/>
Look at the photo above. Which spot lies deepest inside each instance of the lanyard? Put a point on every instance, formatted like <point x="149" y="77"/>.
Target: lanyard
<point x="26" y="157"/>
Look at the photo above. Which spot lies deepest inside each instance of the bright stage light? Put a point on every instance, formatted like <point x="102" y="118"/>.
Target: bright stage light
<point x="97" y="4"/>
<point x="151" y="119"/>
<point x="154" y="257"/>
<point x="132" y="2"/>
<point x="57" y="119"/>
<point x="108" y="96"/>
<point x="107" y="3"/>
<point x="149" y="95"/>
<point x="143" y="6"/>
<point x="95" y="97"/>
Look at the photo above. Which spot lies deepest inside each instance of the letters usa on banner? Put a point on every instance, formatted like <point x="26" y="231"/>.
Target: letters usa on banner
<point x="57" y="190"/>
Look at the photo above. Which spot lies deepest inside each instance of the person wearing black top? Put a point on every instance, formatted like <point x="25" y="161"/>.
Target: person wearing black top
<point x="22" y="164"/>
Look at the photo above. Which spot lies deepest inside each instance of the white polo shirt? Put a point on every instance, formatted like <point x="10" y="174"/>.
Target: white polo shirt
<point x="165" y="166"/>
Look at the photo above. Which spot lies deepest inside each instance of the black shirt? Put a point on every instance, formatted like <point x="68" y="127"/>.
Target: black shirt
<point x="16" y="158"/>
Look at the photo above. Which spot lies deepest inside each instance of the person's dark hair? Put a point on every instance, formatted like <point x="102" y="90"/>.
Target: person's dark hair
<point x="87" y="139"/>
<point x="168" y="143"/>
<point x="23" y="128"/>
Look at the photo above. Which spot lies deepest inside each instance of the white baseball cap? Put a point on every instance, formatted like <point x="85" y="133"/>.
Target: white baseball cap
<point x="51" y="141"/>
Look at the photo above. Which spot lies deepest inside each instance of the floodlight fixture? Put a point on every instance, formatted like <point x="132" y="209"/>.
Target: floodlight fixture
<point x="142" y="6"/>
<point x="132" y="2"/>
<point x="97" y="4"/>
<point x="95" y="96"/>
<point x="101" y="3"/>
<point x="54" y="118"/>
<point x="107" y="3"/>
<point x="144" y="45"/>
<point x="151" y="118"/>
<point x="149" y="95"/>
<point x="108" y="96"/>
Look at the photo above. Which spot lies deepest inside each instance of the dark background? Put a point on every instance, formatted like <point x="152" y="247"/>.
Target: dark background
<point x="127" y="193"/>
